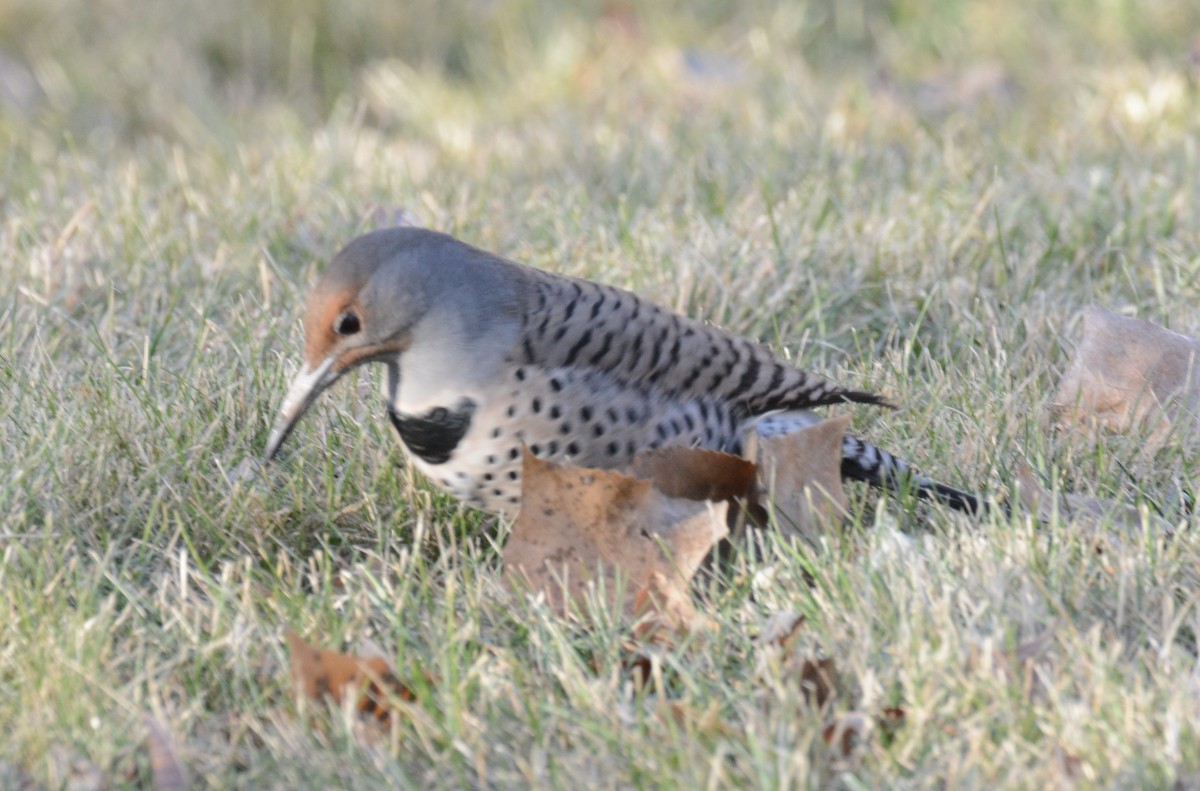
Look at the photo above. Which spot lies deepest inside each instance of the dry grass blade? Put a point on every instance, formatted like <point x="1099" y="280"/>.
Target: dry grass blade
<point x="1095" y="514"/>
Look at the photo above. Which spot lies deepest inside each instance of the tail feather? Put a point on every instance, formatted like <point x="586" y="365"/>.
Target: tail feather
<point x="862" y="461"/>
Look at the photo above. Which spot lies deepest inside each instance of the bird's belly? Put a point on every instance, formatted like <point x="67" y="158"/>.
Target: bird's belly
<point x="561" y="416"/>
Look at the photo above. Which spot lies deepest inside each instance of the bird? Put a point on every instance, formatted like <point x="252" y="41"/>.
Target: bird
<point x="486" y="359"/>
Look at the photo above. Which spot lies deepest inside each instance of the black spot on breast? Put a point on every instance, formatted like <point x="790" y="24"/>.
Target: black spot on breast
<point x="433" y="436"/>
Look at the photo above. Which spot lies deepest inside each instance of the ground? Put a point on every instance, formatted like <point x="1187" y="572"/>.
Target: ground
<point x="913" y="197"/>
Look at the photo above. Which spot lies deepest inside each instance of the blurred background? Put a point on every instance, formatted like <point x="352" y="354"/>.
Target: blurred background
<point x="105" y="73"/>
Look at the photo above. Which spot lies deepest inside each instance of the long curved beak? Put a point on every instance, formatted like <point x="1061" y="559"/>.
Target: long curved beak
<point x="305" y="388"/>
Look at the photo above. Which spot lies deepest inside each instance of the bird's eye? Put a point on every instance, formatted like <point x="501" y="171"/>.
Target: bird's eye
<point x="347" y="323"/>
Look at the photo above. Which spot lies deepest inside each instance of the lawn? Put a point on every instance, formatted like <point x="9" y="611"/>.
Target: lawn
<point x="913" y="197"/>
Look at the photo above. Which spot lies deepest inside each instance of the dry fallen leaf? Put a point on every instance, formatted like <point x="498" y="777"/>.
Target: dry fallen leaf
<point x="317" y="672"/>
<point x="696" y="474"/>
<point x="1091" y="512"/>
<point x="165" y="766"/>
<point x="818" y="681"/>
<point x="846" y="731"/>
<point x="579" y="529"/>
<point x="781" y="628"/>
<point x="663" y="606"/>
<point x="638" y="665"/>
<point x="1129" y="374"/>
<point x="800" y="467"/>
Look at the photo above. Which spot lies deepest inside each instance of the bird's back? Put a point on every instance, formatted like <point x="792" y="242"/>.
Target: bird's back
<point x="574" y="323"/>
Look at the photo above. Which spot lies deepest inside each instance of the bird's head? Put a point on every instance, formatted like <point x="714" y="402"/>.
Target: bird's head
<point x="390" y="294"/>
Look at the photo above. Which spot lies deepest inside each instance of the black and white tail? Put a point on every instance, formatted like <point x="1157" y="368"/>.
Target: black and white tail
<point x="862" y="461"/>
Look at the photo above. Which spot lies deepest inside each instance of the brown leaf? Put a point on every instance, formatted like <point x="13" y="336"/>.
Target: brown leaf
<point x="818" y="681"/>
<point x="664" y="607"/>
<point x="891" y="720"/>
<point x="1128" y="374"/>
<point x="800" y="465"/>
<point x="640" y="667"/>
<point x="165" y="766"/>
<point x="317" y="672"/>
<point x="1091" y="512"/>
<point x="846" y="731"/>
<point x="581" y="529"/>
<point x="781" y="628"/>
<point x="696" y="474"/>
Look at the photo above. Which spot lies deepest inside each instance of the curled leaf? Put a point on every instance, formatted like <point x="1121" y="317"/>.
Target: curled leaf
<point x="800" y="467"/>
<point x="583" y="530"/>
<point x="1129" y="374"/>
<point x="696" y="474"/>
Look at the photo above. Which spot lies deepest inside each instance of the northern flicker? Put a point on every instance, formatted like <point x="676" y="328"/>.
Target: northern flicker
<point x="484" y="356"/>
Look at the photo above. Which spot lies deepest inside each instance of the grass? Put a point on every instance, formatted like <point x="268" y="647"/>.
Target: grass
<point x="825" y="179"/>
